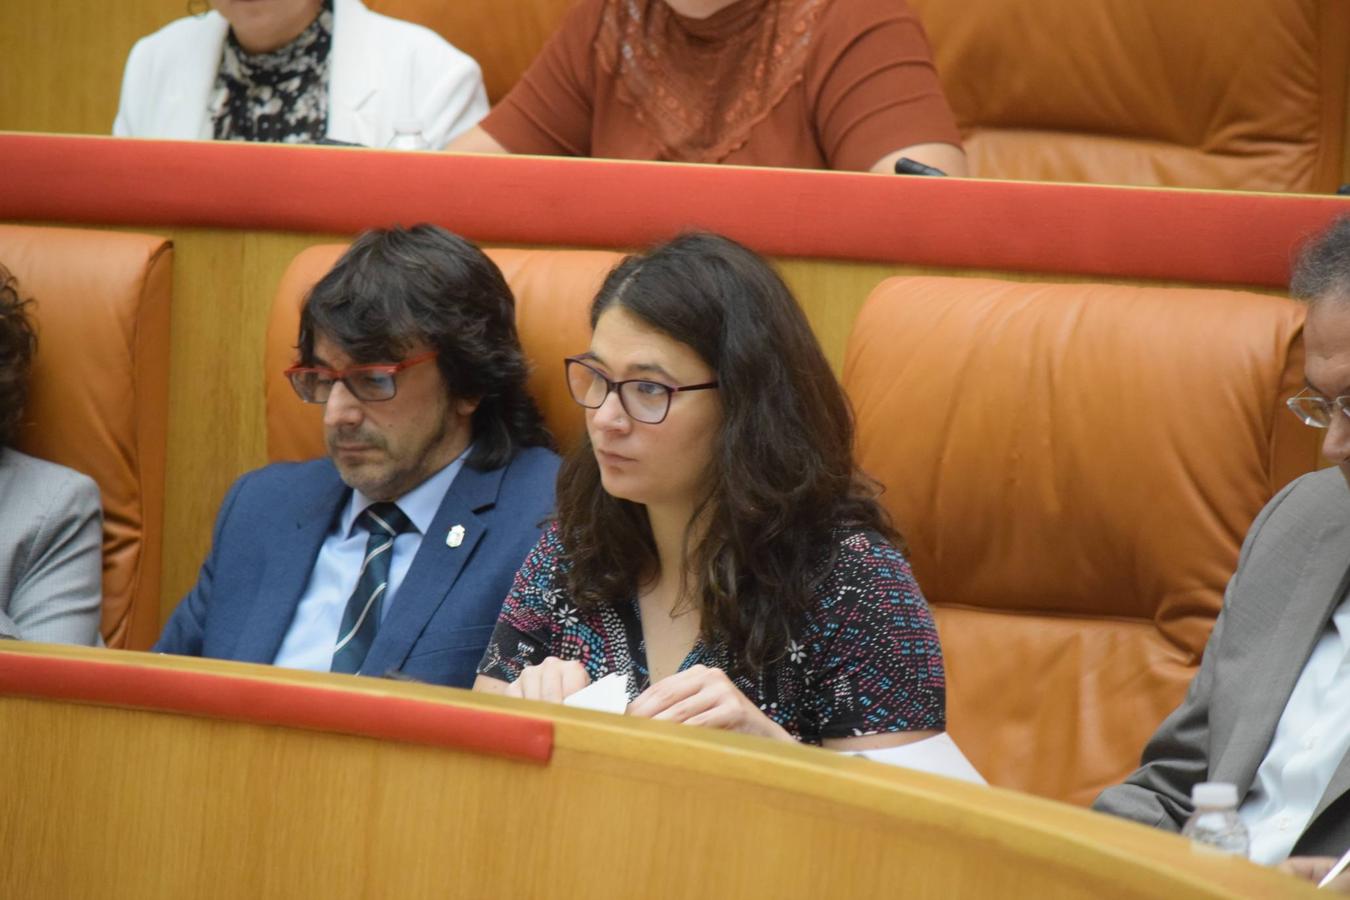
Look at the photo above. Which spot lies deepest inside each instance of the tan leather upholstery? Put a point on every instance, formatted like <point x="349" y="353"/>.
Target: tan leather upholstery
<point x="553" y="291"/>
<point x="99" y="400"/>
<point x="1244" y="94"/>
<point x="503" y="35"/>
<point x="1074" y="467"/>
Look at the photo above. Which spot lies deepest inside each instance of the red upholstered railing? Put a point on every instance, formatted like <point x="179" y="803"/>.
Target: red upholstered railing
<point x="1192" y="236"/>
<point x="265" y="702"/>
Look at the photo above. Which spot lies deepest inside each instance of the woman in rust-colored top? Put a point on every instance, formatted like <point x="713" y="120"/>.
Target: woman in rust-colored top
<point x="818" y="84"/>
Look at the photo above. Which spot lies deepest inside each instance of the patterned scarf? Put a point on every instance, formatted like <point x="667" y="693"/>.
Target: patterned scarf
<point x="277" y="97"/>
<point x="700" y="85"/>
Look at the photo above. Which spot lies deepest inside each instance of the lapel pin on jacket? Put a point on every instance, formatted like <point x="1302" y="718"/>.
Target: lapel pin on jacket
<point x="455" y="537"/>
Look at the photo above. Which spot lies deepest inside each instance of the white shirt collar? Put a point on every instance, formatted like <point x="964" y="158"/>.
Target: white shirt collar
<point x="420" y="504"/>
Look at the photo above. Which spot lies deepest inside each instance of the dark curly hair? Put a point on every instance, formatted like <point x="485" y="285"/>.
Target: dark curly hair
<point x="18" y="344"/>
<point x="395" y="287"/>
<point x="782" y="476"/>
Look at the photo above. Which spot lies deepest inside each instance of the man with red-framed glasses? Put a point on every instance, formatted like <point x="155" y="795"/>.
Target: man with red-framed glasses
<point x="393" y="553"/>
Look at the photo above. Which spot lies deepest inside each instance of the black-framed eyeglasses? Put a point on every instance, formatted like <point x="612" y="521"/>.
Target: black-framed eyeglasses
<point x="642" y="399"/>
<point x="1315" y="410"/>
<point x="313" y="384"/>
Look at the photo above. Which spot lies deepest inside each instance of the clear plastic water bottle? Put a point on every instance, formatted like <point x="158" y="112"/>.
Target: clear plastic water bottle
<point x="1215" y="826"/>
<point x="408" y="136"/>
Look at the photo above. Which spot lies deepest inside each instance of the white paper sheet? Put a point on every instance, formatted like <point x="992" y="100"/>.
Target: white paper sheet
<point x="938" y="755"/>
<point x="609" y="694"/>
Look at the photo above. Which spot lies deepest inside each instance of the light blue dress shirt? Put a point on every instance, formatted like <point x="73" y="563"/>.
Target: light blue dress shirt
<point x="313" y="634"/>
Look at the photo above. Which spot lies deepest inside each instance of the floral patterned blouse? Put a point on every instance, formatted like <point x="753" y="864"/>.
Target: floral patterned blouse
<point x="866" y="661"/>
<point x="279" y="97"/>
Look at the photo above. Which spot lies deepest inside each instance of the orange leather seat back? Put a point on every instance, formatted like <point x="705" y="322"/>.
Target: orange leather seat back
<point x="99" y="398"/>
<point x="553" y="290"/>
<point x="1205" y="94"/>
<point x="1074" y="467"/>
<point x="504" y="35"/>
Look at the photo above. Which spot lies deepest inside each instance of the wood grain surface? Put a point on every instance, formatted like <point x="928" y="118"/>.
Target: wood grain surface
<point x="113" y="801"/>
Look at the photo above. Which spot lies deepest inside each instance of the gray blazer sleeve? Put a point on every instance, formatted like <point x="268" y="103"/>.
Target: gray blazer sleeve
<point x="55" y="561"/>
<point x="1158" y="793"/>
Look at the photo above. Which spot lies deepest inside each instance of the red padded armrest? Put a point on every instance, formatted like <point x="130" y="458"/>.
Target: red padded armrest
<point x="1204" y="237"/>
<point x="263" y="702"/>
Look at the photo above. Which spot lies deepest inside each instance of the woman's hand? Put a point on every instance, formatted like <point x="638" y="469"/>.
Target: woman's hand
<point x="703" y="696"/>
<point x="552" y="680"/>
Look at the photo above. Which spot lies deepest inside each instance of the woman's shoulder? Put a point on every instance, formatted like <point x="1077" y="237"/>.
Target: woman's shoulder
<point x="27" y="482"/>
<point x="186" y="32"/>
<point x="550" y="539"/>
<point x="164" y="57"/>
<point x="842" y="25"/>
<point x="386" y="30"/>
<point x="856" y="543"/>
<point x="861" y="566"/>
<point x="40" y="476"/>
<point x="845" y="15"/>
<point x="549" y="557"/>
<point x="580" y="27"/>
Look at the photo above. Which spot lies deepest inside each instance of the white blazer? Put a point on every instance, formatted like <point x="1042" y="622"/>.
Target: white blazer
<point x="381" y="71"/>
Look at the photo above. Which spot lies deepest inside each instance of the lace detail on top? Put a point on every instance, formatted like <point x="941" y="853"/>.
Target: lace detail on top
<point x="278" y="97"/>
<point x="699" y="86"/>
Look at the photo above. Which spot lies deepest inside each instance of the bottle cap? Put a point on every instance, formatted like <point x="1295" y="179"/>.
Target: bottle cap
<point x="407" y="126"/>
<point x="1214" y="793"/>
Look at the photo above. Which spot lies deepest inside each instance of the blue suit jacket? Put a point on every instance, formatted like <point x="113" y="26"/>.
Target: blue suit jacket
<point x="268" y="535"/>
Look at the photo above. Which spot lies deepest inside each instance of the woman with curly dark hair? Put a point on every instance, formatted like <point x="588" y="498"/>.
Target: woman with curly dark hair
<point x="714" y="541"/>
<point x="51" y="532"/>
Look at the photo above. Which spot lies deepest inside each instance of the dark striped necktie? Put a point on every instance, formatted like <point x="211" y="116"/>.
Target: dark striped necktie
<point x="384" y="521"/>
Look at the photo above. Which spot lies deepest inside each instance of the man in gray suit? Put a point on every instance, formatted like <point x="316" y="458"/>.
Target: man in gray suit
<point x="1269" y="709"/>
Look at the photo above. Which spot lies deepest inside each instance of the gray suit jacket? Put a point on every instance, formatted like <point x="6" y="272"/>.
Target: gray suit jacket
<point x="51" y="552"/>
<point x="1293" y="572"/>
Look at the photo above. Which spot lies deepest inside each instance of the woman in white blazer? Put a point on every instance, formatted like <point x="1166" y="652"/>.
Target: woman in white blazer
<point x="193" y="79"/>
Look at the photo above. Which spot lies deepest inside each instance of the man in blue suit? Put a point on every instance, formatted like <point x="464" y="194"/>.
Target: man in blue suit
<point x="393" y="554"/>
